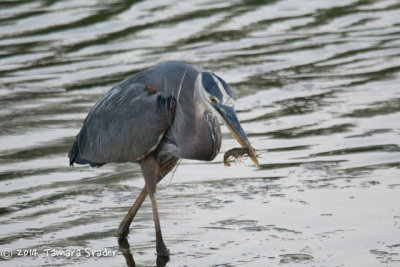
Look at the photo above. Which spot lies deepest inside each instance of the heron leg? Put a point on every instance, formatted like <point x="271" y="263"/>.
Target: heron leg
<point x="160" y="245"/>
<point x="123" y="229"/>
<point x="151" y="173"/>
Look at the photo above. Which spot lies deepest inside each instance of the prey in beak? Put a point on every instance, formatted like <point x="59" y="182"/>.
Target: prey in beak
<point x="231" y="121"/>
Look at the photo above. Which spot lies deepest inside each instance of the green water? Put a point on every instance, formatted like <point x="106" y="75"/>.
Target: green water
<point x="317" y="90"/>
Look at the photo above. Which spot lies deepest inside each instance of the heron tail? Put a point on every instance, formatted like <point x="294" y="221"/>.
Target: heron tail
<point x="74" y="157"/>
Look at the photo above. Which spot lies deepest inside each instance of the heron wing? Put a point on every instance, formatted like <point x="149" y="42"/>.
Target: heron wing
<point x="125" y="125"/>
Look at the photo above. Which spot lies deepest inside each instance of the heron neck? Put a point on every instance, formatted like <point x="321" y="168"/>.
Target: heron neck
<point x="195" y="133"/>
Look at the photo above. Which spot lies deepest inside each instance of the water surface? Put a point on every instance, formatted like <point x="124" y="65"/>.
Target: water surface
<point x="317" y="90"/>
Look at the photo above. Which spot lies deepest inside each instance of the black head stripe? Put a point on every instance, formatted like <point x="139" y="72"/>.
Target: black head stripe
<point x="210" y="85"/>
<point x="227" y="89"/>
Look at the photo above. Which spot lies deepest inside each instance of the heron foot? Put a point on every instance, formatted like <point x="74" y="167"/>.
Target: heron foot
<point x="162" y="261"/>
<point x="123" y="231"/>
<point x="162" y="250"/>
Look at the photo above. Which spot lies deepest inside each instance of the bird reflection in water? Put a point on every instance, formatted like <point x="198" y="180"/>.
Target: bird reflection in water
<point x="124" y="247"/>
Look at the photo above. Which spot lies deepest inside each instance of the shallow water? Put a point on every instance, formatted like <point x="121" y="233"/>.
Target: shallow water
<point x="317" y="90"/>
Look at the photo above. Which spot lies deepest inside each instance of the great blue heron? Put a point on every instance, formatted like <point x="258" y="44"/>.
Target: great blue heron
<point x="153" y="118"/>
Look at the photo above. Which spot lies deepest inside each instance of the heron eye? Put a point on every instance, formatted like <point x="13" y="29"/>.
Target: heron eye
<point x="213" y="99"/>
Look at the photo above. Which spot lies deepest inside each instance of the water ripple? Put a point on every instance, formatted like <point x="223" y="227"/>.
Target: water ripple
<point x="316" y="84"/>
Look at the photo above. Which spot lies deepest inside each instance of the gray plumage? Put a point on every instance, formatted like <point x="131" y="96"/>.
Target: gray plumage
<point x="129" y="122"/>
<point x="153" y="118"/>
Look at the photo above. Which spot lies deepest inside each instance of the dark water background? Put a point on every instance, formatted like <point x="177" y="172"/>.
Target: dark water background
<point x="317" y="85"/>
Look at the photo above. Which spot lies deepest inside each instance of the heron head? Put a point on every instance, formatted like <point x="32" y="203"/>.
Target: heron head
<point x="217" y="95"/>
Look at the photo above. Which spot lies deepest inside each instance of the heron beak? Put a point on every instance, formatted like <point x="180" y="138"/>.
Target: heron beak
<point x="230" y="119"/>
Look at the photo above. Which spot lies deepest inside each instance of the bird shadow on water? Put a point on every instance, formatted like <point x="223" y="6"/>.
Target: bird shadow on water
<point x="130" y="261"/>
